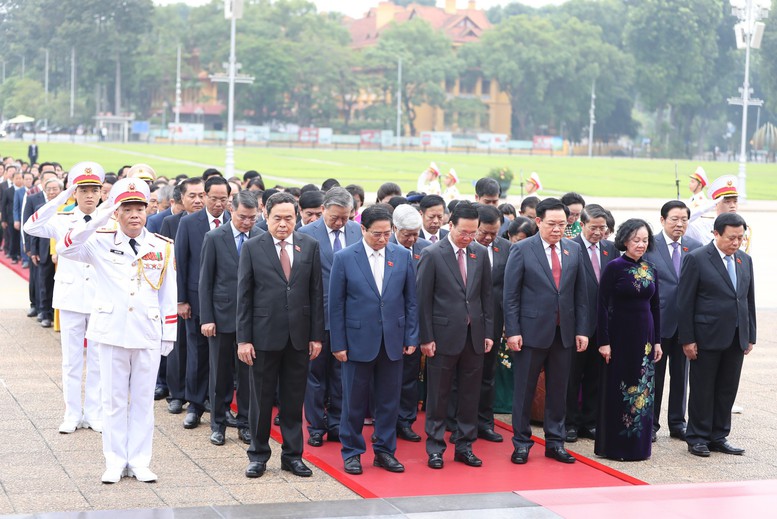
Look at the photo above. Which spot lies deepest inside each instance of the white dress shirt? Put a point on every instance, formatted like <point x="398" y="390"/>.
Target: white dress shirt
<point x="377" y="259"/>
<point x="289" y="248"/>
<point x="546" y="248"/>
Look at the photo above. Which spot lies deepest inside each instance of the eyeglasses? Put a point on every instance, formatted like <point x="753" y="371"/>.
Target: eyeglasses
<point x="675" y="219"/>
<point x="596" y="228"/>
<point x="377" y="235"/>
<point x="244" y="218"/>
<point x="467" y="234"/>
<point x="220" y="199"/>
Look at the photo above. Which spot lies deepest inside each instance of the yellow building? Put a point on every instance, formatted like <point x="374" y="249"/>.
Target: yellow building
<point x="462" y="26"/>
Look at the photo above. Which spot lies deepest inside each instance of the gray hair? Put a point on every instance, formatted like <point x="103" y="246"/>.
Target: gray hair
<point x="245" y="198"/>
<point x="281" y="198"/>
<point x="337" y="196"/>
<point x="56" y="180"/>
<point x="166" y="192"/>
<point x="407" y="217"/>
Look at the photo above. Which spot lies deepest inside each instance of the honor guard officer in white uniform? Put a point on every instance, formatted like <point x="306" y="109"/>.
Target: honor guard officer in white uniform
<point x="74" y="286"/>
<point x="134" y="320"/>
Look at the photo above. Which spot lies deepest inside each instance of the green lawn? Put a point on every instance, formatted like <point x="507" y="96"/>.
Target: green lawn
<point x="619" y="177"/>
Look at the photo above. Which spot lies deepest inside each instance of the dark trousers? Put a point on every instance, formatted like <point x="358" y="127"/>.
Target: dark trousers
<point x="584" y="376"/>
<point x="467" y="368"/>
<point x="197" y="365"/>
<point x="487" y="394"/>
<point x="409" y="396"/>
<point x="714" y="380"/>
<point x="324" y="395"/>
<point x="288" y="368"/>
<point x="176" y="365"/>
<point x="221" y="381"/>
<point x="33" y="285"/>
<point x="678" y="384"/>
<point x="46" y="271"/>
<point x="385" y="375"/>
<point x="527" y="364"/>
<point x="14" y="242"/>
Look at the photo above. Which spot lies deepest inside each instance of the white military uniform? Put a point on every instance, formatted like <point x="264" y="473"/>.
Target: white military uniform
<point x="74" y="287"/>
<point x="134" y="320"/>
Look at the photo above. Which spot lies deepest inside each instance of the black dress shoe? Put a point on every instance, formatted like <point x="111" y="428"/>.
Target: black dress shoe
<point x="677" y="433"/>
<point x="699" y="449"/>
<point x="277" y="420"/>
<point x="217" y="438"/>
<point x="244" y="434"/>
<point x="192" y="420"/>
<point x="46" y="323"/>
<point x="230" y="420"/>
<point x="654" y="437"/>
<point x="435" y="461"/>
<point x="353" y="465"/>
<point x="726" y="448"/>
<point x="316" y="440"/>
<point x="160" y="393"/>
<point x="520" y="455"/>
<point x="206" y="406"/>
<point x="585" y="432"/>
<point x="408" y="434"/>
<point x="255" y="469"/>
<point x="490" y="436"/>
<point x="468" y="458"/>
<point x="388" y="462"/>
<point x="559" y="454"/>
<point x="175" y="406"/>
<point x="333" y="435"/>
<point x="571" y="436"/>
<point x="32" y="313"/>
<point x="296" y="467"/>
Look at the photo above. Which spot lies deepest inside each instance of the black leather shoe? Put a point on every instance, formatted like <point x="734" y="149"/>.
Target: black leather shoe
<point x="217" y="438"/>
<point x="277" y="420"/>
<point x="387" y="461"/>
<point x="244" y="434"/>
<point x="296" y="467"/>
<point x="192" y="420"/>
<point x="654" y="437"/>
<point x="559" y="454"/>
<point x="435" y="461"/>
<point x="677" y="433"/>
<point x="353" y="465"/>
<point x="699" y="449"/>
<point x="408" y="434"/>
<point x="468" y="458"/>
<point x="175" y="406"/>
<point x="255" y="469"/>
<point x="160" y="393"/>
<point x="230" y="420"/>
<point x="584" y="432"/>
<point x="490" y="436"/>
<point x="333" y="435"/>
<point x="316" y="440"/>
<point x="46" y="323"/>
<point x="726" y="448"/>
<point x="520" y="455"/>
<point x="32" y="313"/>
<point x="571" y="436"/>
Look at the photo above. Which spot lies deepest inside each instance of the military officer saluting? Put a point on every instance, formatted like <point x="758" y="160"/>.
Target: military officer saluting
<point x="74" y="286"/>
<point x="133" y="321"/>
<point x="698" y="182"/>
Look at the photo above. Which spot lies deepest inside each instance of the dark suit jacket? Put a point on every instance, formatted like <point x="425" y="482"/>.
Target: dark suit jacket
<point x="659" y="256"/>
<point x="501" y="254"/>
<point x="419" y="245"/>
<point x="608" y="252"/>
<point x="423" y="236"/>
<point x="218" y="278"/>
<point x="4" y="188"/>
<point x="34" y="202"/>
<point x="170" y="225"/>
<point x="32" y="153"/>
<point x="360" y="317"/>
<point x="317" y="230"/>
<point x="270" y="310"/>
<point x="154" y="222"/>
<point x="188" y="251"/>
<point x="531" y="298"/>
<point x="710" y="306"/>
<point x="444" y="304"/>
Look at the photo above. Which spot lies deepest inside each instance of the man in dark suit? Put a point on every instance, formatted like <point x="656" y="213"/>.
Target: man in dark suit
<point x="373" y="323"/>
<point x="280" y="326"/>
<point x="154" y="222"/>
<point x="188" y="252"/>
<point x="669" y="249"/>
<point x="717" y="329"/>
<point x="545" y="316"/>
<point x="432" y="211"/>
<point x="456" y="329"/>
<point x="407" y="225"/>
<point x="192" y="199"/>
<point x="218" y="313"/>
<point x="40" y="251"/>
<point x="583" y="390"/>
<point x="32" y="152"/>
<point x="324" y="397"/>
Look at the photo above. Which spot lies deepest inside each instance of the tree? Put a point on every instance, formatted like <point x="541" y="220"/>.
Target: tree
<point x="427" y="61"/>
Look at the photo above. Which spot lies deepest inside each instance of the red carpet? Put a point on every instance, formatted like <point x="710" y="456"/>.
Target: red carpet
<point x="6" y="261"/>
<point x="498" y="473"/>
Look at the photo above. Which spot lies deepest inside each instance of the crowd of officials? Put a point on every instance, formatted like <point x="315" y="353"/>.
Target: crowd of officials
<point x="218" y="294"/>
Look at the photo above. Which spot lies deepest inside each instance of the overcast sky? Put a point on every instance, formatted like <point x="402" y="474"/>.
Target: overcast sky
<point x="357" y="8"/>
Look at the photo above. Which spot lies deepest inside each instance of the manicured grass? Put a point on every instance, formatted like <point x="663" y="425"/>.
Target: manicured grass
<point x="607" y="177"/>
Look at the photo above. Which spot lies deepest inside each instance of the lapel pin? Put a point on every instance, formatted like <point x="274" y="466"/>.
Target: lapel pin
<point x="566" y="252"/>
<point x="473" y="255"/>
<point x="605" y="253"/>
<point x="739" y="261"/>
<point x="296" y="248"/>
<point x="390" y="263"/>
<point x="685" y="249"/>
<point x="417" y="256"/>
<point x="496" y="249"/>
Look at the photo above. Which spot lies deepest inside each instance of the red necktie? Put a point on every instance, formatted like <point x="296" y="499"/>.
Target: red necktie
<point x="462" y="266"/>
<point x="555" y="265"/>
<point x="595" y="262"/>
<point x="216" y="222"/>
<point x="285" y="262"/>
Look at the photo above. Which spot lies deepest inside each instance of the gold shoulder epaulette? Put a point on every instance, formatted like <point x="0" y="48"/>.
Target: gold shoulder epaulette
<point x="106" y="230"/>
<point x="165" y="238"/>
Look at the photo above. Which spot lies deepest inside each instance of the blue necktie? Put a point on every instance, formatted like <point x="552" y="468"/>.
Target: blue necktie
<point x="337" y="245"/>
<point x="732" y="270"/>
<point x="240" y="240"/>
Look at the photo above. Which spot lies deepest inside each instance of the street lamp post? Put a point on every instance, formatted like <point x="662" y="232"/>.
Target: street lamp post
<point x="749" y="32"/>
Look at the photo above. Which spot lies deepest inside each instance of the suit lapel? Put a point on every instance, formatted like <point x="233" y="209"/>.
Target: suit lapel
<point x="472" y="265"/>
<point x="664" y="253"/>
<point x="539" y="250"/>
<point x="352" y="234"/>
<point x="229" y="243"/>
<point x="565" y="261"/>
<point x="449" y="257"/>
<point x="364" y="265"/>
<point x="296" y="249"/>
<point x="717" y="263"/>
<point x="388" y="269"/>
<point x="322" y="235"/>
<point x="269" y="249"/>
<point x="589" y="267"/>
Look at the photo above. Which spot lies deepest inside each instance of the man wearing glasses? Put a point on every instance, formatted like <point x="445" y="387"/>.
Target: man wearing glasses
<point x="221" y="250"/>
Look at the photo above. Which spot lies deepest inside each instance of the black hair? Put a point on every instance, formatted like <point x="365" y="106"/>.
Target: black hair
<point x="210" y="172"/>
<point x="551" y="204"/>
<point x="256" y="182"/>
<point x="309" y="187"/>
<point x="189" y="182"/>
<point x="674" y="204"/>
<point x="268" y="193"/>
<point x="177" y="195"/>
<point x="311" y="199"/>
<point x="250" y="175"/>
<point x="572" y="198"/>
<point x="279" y="197"/>
<point x="507" y="209"/>
<point x="293" y="191"/>
<point x="728" y="220"/>
<point x="464" y="210"/>
<point x="329" y="184"/>
<point x="430" y="201"/>
<point x="627" y="230"/>
<point x="388" y="188"/>
<point x="521" y="224"/>
<point x="375" y="213"/>
<point x="355" y="191"/>
<point x="488" y="214"/>
<point x="592" y="211"/>
<point x="530" y="202"/>
<point x="217" y="180"/>
<point x="396" y="201"/>
<point x="487" y="186"/>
